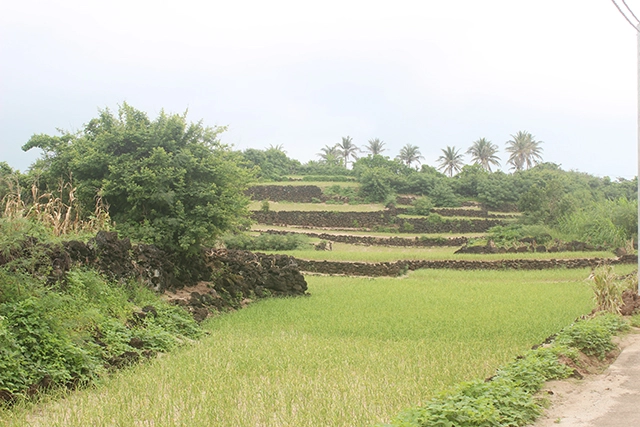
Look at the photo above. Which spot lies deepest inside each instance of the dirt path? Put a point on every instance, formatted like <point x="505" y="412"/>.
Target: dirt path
<point x="610" y="399"/>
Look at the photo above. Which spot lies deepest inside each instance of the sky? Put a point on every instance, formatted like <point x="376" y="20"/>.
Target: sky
<point x="305" y="74"/>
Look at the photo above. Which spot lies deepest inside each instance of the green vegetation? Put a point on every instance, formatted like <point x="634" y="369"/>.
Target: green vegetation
<point x="317" y="207"/>
<point x="166" y="182"/>
<point x="355" y="353"/>
<point x="508" y="399"/>
<point x="68" y="334"/>
<point x="266" y="242"/>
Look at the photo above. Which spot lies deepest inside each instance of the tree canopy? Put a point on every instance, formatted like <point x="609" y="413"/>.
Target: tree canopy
<point x="166" y="181"/>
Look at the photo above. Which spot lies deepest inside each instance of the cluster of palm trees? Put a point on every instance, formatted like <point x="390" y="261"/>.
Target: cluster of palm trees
<point x="342" y="152"/>
<point x="524" y="152"/>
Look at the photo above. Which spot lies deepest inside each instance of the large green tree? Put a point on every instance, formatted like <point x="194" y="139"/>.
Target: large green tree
<point x="166" y="181"/>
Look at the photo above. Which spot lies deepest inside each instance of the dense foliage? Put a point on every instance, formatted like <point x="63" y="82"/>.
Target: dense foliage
<point x="266" y="242"/>
<point x="166" y="181"/>
<point x="70" y="331"/>
<point x="508" y="398"/>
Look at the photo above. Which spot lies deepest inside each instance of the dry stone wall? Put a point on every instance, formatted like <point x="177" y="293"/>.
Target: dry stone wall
<point x="370" y="220"/>
<point x="236" y="275"/>
<point x="288" y="193"/>
<point x="382" y="241"/>
<point x="400" y="267"/>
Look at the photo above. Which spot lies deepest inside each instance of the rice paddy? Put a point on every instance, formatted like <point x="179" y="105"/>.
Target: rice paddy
<point x="354" y="353"/>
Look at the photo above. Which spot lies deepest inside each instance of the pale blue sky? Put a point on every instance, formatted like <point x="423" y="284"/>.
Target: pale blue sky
<point x="304" y="74"/>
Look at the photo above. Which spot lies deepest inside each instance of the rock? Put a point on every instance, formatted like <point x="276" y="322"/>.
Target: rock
<point x="136" y="342"/>
<point x="200" y="314"/>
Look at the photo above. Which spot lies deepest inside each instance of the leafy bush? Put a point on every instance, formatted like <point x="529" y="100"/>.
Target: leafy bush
<point x="167" y="182"/>
<point x="509" y="234"/>
<point x="593" y="337"/>
<point x="340" y="193"/>
<point x="608" y="223"/>
<point x="421" y="206"/>
<point x="443" y="196"/>
<point x="507" y="399"/>
<point x="64" y="334"/>
<point x="376" y="184"/>
<point x="266" y="242"/>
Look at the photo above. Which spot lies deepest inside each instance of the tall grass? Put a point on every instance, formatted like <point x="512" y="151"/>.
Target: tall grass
<point x="355" y="353"/>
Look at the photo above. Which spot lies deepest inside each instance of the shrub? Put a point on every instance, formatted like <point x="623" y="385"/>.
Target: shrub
<point x="507" y="399"/>
<point x="167" y="182"/>
<point x="593" y="337"/>
<point x="65" y="333"/>
<point x="266" y="242"/>
<point x="509" y="234"/>
<point x="421" y="206"/>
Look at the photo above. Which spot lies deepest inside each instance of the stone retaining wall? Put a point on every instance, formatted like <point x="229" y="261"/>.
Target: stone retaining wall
<point x="370" y="220"/>
<point x="400" y="267"/>
<point x="470" y="213"/>
<point x="288" y="193"/>
<point x="382" y="241"/>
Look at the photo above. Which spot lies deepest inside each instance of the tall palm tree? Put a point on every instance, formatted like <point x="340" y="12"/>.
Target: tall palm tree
<point x="524" y="151"/>
<point x="375" y="146"/>
<point x="277" y="147"/>
<point x="331" y="154"/>
<point x="450" y="161"/>
<point x="483" y="153"/>
<point x="348" y="149"/>
<point x="409" y="154"/>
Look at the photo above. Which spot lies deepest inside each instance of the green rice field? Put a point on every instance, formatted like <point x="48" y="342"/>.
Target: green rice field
<point x="354" y="353"/>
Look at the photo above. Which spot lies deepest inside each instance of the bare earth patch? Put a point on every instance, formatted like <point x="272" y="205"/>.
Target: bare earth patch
<point x="603" y="398"/>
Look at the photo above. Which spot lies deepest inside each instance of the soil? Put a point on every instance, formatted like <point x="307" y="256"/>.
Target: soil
<point x="604" y="396"/>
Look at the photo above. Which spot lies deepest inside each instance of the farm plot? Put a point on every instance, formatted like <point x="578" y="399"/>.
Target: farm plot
<point x="355" y="353"/>
<point x="348" y="252"/>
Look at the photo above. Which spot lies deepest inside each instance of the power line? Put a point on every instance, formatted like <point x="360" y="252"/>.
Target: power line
<point x="623" y="14"/>
<point x="630" y="11"/>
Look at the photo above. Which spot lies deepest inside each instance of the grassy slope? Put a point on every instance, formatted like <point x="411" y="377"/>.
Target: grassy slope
<point x="355" y="353"/>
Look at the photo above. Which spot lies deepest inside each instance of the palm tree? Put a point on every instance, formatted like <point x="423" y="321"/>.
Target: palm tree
<point x="331" y="154"/>
<point x="483" y="153"/>
<point x="277" y="147"/>
<point x="409" y="154"/>
<point x="348" y="149"/>
<point x="375" y="146"/>
<point x="450" y="161"/>
<point x="524" y="151"/>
